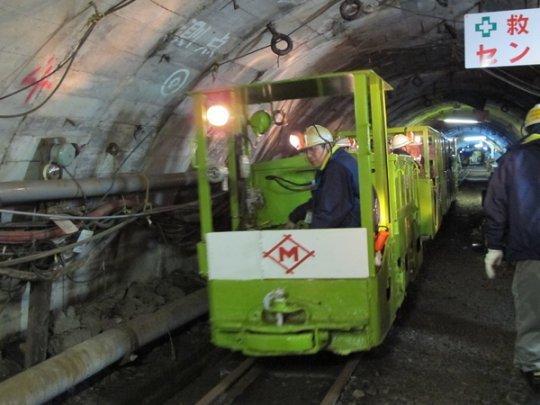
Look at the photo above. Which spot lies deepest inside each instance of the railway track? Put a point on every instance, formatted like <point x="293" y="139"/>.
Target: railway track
<point x="231" y="387"/>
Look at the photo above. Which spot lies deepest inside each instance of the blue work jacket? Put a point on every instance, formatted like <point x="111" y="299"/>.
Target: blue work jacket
<point x="335" y="200"/>
<point x="512" y="203"/>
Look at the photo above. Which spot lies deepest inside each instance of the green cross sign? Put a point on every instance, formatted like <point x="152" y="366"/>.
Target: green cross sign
<point x="485" y="27"/>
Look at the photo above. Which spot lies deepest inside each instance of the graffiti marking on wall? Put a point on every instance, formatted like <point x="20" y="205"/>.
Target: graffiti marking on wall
<point x="33" y="77"/>
<point x="199" y="37"/>
<point x="175" y="82"/>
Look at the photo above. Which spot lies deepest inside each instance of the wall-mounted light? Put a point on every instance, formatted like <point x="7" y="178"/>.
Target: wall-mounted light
<point x="217" y="115"/>
<point x="460" y="121"/>
<point x="474" y="138"/>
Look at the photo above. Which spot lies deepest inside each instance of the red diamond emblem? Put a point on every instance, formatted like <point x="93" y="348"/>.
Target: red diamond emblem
<point x="288" y="254"/>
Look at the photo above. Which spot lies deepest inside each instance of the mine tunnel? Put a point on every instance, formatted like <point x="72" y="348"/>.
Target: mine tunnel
<point x="155" y="156"/>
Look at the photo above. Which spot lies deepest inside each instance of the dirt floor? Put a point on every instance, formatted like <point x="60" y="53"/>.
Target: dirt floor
<point x="455" y="341"/>
<point x="452" y="344"/>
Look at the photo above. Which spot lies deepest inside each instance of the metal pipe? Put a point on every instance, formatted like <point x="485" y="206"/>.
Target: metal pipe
<point x="52" y="377"/>
<point x="16" y="192"/>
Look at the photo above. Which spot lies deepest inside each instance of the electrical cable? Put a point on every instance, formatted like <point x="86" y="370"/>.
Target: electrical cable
<point x="435" y="16"/>
<point x="523" y="82"/>
<point x="506" y="80"/>
<point x="416" y="12"/>
<point x="87" y="218"/>
<point x="118" y="6"/>
<point x="63" y="271"/>
<point x="73" y="266"/>
<point x="117" y="227"/>
<point x="272" y="177"/>
<point x="58" y="67"/>
<point x="165" y="8"/>
<point x="307" y="21"/>
<point x="315" y="15"/>
<point x="293" y="189"/>
<point x="47" y="253"/>
<point x="51" y="94"/>
<point x="296" y="190"/>
<point x="93" y="21"/>
<point x="510" y="82"/>
<point x="325" y="141"/>
<point x="115" y="173"/>
<point x="243" y="55"/>
<point x="83" y="194"/>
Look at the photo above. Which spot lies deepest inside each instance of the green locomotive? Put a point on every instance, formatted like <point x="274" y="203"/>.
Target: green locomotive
<point x="275" y="291"/>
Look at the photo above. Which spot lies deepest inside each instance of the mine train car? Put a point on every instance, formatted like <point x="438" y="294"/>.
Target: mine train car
<point x="438" y="175"/>
<point x="274" y="291"/>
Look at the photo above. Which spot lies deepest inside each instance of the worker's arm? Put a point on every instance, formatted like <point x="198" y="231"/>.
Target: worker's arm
<point x="496" y="205"/>
<point x="335" y="201"/>
<point x="299" y="213"/>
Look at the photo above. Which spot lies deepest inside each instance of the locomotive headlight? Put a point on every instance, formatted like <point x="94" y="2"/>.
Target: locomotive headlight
<point x="295" y="141"/>
<point x="217" y="115"/>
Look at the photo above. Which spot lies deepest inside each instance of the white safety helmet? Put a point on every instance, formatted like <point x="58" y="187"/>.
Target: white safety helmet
<point x="399" y="141"/>
<point x="317" y="135"/>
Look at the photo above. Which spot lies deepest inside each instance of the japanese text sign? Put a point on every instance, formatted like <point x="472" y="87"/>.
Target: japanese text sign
<point x="503" y="38"/>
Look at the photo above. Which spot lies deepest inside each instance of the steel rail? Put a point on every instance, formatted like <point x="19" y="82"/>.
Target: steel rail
<point x="235" y="383"/>
<point x="335" y="390"/>
<point x="226" y="383"/>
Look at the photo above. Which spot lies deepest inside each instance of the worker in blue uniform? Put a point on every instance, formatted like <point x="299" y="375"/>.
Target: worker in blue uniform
<point x="335" y="199"/>
<point x="512" y="207"/>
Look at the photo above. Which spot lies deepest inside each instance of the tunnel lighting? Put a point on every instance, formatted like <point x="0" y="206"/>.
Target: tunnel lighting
<point x="460" y="121"/>
<point x="217" y="115"/>
<point x="295" y="141"/>
<point x="474" y="138"/>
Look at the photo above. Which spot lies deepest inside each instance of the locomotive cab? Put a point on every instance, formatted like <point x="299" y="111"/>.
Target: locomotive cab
<point x="274" y="291"/>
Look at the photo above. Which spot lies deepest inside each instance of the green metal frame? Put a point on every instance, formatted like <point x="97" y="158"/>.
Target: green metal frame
<point x="341" y="315"/>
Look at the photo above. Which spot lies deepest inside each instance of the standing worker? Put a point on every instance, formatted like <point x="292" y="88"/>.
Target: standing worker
<point x="512" y="207"/>
<point x="335" y="201"/>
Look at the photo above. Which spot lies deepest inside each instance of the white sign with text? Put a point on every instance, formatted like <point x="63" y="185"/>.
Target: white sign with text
<point x="503" y="38"/>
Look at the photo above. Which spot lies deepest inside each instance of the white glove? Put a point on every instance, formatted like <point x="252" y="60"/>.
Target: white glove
<point x="493" y="258"/>
<point x="378" y="259"/>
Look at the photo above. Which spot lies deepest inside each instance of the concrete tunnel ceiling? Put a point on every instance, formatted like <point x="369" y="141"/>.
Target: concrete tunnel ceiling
<point x="128" y="83"/>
